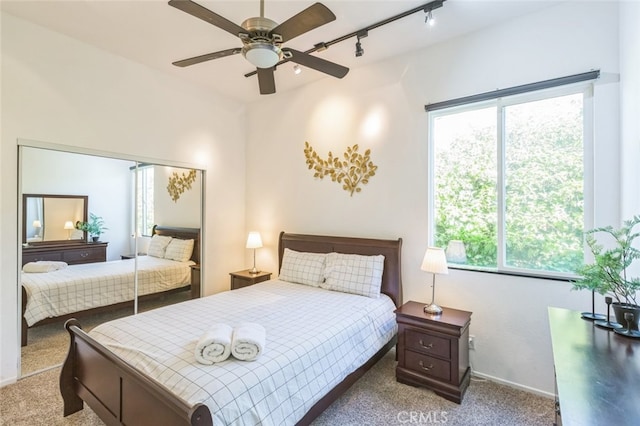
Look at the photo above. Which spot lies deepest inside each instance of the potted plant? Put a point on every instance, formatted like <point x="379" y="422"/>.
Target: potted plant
<point x="608" y="274"/>
<point x="94" y="227"/>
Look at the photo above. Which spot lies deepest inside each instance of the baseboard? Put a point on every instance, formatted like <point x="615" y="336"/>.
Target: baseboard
<point x="42" y="370"/>
<point x="476" y="374"/>
<point x="8" y="381"/>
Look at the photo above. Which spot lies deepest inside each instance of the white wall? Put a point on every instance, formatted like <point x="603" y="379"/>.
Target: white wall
<point x="55" y="89"/>
<point x="630" y="102"/>
<point x="106" y="181"/>
<point x="381" y="107"/>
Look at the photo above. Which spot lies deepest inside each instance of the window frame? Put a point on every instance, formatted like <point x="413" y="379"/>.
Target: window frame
<point x="140" y="172"/>
<point x="500" y="102"/>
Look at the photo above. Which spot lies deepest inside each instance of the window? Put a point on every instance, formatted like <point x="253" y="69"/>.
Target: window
<point x="144" y="203"/>
<point x="508" y="178"/>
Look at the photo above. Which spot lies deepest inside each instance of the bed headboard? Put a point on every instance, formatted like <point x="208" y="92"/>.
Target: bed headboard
<point x="183" y="234"/>
<point x="391" y="277"/>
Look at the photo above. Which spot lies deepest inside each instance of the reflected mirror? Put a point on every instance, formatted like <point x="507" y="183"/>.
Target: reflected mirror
<point x="48" y="218"/>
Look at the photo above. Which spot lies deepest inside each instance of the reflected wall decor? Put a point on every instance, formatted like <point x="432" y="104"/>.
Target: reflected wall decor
<point x="178" y="183"/>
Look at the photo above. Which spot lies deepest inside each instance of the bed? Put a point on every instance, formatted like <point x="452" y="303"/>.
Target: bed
<point x="143" y="392"/>
<point x="83" y="289"/>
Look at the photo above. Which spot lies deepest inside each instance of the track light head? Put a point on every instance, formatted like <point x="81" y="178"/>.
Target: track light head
<point x="429" y="19"/>
<point x="359" y="49"/>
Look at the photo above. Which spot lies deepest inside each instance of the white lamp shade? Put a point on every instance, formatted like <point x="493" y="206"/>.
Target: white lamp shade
<point x="253" y="240"/>
<point x="37" y="224"/>
<point x="68" y="225"/>
<point x="262" y="56"/>
<point x="435" y="261"/>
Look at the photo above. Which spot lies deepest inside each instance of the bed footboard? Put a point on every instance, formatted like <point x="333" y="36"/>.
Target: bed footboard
<point x="116" y="392"/>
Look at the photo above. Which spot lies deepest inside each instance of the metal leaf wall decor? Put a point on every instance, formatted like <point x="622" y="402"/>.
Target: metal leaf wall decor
<point x="353" y="170"/>
<point x="180" y="183"/>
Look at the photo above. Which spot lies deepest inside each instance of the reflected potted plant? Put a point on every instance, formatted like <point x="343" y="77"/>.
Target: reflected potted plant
<point x="94" y="227"/>
<point x="608" y="274"/>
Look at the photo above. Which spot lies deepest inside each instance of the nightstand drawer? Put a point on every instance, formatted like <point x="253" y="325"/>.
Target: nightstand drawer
<point x="427" y="365"/>
<point x="428" y="344"/>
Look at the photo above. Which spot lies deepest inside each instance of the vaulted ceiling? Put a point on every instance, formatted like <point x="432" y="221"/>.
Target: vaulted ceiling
<point x="152" y="33"/>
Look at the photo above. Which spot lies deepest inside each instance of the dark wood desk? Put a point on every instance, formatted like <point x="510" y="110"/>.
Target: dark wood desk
<point x="597" y="372"/>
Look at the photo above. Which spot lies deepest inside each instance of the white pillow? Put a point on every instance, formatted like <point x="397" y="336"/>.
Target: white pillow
<point x="302" y="267"/>
<point x="179" y="250"/>
<point x="158" y="245"/>
<point x="354" y="273"/>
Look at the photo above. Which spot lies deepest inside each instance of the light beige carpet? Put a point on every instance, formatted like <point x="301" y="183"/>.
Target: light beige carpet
<point x="376" y="399"/>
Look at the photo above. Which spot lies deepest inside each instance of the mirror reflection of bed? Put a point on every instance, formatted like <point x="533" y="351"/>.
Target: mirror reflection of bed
<point x="59" y="187"/>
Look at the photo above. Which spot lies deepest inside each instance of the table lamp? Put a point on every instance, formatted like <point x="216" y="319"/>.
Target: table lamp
<point x="253" y="242"/>
<point x="435" y="261"/>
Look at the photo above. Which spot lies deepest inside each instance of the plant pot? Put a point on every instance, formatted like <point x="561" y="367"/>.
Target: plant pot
<point x="95" y="239"/>
<point x="619" y="309"/>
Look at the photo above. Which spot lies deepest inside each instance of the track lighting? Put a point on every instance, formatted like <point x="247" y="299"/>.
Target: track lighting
<point x="296" y="69"/>
<point x="429" y="19"/>
<point x="427" y="8"/>
<point x="359" y="49"/>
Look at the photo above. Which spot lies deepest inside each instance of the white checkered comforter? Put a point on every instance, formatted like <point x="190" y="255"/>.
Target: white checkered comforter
<point x="314" y="339"/>
<point x="79" y="287"/>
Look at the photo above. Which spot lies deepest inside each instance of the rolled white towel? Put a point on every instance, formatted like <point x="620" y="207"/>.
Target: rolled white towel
<point x="248" y="341"/>
<point x="214" y="345"/>
<point x="43" y="266"/>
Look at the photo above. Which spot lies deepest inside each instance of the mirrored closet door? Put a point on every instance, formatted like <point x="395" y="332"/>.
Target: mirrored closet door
<point x="88" y="245"/>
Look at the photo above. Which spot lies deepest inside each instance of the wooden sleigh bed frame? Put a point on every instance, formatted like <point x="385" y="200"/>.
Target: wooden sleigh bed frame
<point x="175" y="232"/>
<point x="120" y="394"/>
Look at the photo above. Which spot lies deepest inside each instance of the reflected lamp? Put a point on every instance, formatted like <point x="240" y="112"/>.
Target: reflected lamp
<point x="37" y="225"/>
<point x="68" y="225"/>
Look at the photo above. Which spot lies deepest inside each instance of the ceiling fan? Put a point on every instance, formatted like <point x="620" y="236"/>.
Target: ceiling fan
<point x="262" y="41"/>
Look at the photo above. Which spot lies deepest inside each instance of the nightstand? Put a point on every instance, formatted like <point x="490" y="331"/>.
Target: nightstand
<point x="195" y="281"/>
<point x="245" y="278"/>
<point x="433" y="351"/>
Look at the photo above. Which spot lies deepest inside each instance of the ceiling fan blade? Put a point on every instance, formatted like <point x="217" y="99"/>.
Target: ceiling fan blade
<point x="266" y="81"/>
<point x="207" y="57"/>
<point x="208" y="16"/>
<point x="312" y="17"/>
<point x="318" y="64"/>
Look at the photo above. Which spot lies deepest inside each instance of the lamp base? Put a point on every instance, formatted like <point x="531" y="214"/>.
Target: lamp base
<point x="254" y="271"/>
<point x="591" y="316"/>
<point x="432" y="309"/>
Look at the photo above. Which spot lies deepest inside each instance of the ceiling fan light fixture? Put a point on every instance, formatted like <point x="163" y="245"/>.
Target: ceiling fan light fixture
<point x="262" y="55"/>
<point x="296" y="69"/>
